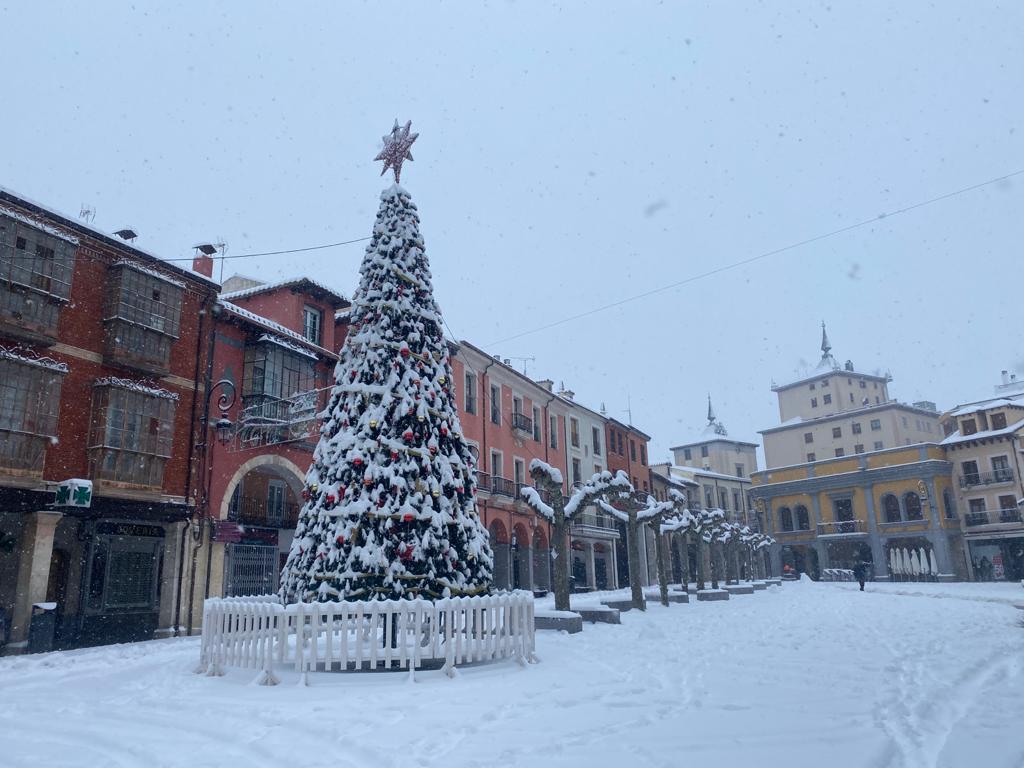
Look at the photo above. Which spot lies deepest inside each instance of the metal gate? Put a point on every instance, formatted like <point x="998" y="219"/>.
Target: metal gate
<point x="251" y="569"/>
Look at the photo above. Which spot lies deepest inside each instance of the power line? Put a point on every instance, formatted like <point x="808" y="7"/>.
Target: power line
<point x="758" y="257"/>
<point x="281" y="253"/>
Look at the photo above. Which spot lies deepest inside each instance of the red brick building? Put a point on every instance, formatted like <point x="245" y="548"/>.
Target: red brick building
<point x="102" y="359"/>
<point x="277" y="344"/>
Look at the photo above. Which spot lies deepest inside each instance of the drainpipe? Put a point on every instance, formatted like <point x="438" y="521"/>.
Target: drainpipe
<point x="487" y="416"/>
<point x="203" y="500"/>
<point x="188" y="476"/>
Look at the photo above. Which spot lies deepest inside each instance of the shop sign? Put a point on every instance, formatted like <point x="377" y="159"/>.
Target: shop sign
<point x="130" y="529"/>
<point x="74" y="493"/>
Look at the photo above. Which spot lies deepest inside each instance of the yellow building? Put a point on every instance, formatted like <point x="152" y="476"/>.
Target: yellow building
<point x="835" y="513"/>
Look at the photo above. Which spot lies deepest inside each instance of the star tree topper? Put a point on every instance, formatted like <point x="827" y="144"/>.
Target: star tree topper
<point x="396" y="149"/>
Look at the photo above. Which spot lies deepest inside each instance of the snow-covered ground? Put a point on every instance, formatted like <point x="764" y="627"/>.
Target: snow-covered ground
<point x="802" y="675"/>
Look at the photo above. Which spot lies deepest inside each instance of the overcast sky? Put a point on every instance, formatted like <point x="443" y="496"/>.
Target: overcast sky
<point x="571" y="156"/>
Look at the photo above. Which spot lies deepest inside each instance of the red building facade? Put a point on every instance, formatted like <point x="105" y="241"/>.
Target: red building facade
<point x="102" y="359"/>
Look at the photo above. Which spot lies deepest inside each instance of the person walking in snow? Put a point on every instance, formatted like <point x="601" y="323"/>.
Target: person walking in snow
<point x="860" y="572"/>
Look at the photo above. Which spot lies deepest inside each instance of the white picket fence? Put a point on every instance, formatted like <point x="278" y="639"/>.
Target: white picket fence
<point x="262" y="634"/>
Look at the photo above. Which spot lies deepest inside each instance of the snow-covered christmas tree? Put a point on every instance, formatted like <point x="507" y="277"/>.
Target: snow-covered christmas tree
<point x="390" y="508"/>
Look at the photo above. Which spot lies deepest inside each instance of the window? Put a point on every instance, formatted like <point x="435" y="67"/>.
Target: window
<point x="837" y="431"/>
<point x="279" y="401"/>
<point x="904" y="420"/>
<point x="948" y="504"/>
<point x="826" y="400"/>
<point x="703" y="451"/>
<point x="1008" y="509"/>
<point x="843" y="511"/>
<point x="574" y="433"/>
<point x="912" y="504"/>
<point x="312" y="323"/>
<point x="632" y="451"/>
<point x="687" y="454"/>
<point x="643" y="454"/>
<point x="736" y="503"/>
<point x="864" y="384"/>
<point x="968" y="427"/>
<point x="891" y="508"/>
<point x="35" y="277"/>
<point x="840" y="452"/>
<point x="876" y="424"/>
<point x="786" y="518"/>
<point x="998" y="421"/>
<point x="595" y="435"/>
<point x="495" y="404"/>
<point x="814" y="402"/>
<point x="803" y="520"/>
<point x="645" y="486"/>
<point x="878" y="445"/>
<point x="739" y="470"/>
<point x="824" y="382"/>
<point x="709" y="499"/>
<point x="858" y="448"/>
<point x="496" y="468"/>
<point x="553" y="431"/>
<point x="29" y="405"/>
<point x="1001" y="472"/>
<point x="808" y="437"/>
<point x="621" y="450"/>
<point x="577" y="472"/>
<point x="470" y="394"/>
<point x="517" y="406"/>
<point x="971" y="476"/>
<point x="811" y="457"/>
<point x="976" y="505"/>
<point x="723" y="498"/>
<point x="132" y="433"/>
<point x="856" y="427"/>
<point x="518" y="471"/>
<point x="142" y="316"/>
<point x="851" y="397"/>
<point x="536" y="424"/>
<point x="811" y="386"/>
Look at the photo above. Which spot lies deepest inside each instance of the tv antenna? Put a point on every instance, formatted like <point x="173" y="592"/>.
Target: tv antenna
<point x="524" y="361"/>
<point x="87" y="214"/>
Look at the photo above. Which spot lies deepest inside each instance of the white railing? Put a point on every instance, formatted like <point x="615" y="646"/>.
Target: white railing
<point x="837" y="574"/>
<point x="259" y="633"/>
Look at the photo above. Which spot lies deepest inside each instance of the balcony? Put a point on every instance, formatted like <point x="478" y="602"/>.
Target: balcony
<point x="522" y="422"/>
<point x="842" y="527"/>
<point x="1004" y="475"/>
<point x="973" y="519"/>
<point x="594" y="522"/>
<point x="498" y="486"/>
<point x="254" y="511"/>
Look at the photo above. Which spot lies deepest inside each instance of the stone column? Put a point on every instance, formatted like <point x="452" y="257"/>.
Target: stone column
<point x="614" y="578"/>
<point x="169" y="578"/>
<point x="36" y="548"/>
<point x="591" y="569"/>
<point x="879" y="566"/>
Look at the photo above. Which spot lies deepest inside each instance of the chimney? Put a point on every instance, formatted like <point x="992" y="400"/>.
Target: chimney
<point x="1006" y="377"/>
<point x="568" y="394"/>
<point x="203" y="264"/>
<point x="548" y="384"/>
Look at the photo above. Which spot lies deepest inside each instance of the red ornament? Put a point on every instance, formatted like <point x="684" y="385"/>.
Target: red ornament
<point x="444" y="432"/>
<point x="408" y="517"/>
<point x="408" y="435"/>
<point x="330" y="498"/>
<point x="357" y="461"/>
<point x="404" y="352"/>
<point x="394" y="455"/>
<point x="340" y="539"/>
<point x="305" y="494"/>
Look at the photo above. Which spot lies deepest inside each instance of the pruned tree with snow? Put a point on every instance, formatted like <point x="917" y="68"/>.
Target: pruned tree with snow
<point x="707" y="523"/>
<point x="390" y="498"/>
<point x="548" y="502"/>
<point x="678" y="520"/>
<point x="634" y="509"/>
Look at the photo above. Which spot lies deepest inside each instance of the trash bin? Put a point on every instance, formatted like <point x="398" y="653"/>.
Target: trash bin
<point x="42" y="627"/>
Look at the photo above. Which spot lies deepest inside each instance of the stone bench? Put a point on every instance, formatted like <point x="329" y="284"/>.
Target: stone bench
<point x="602" y="614"/>
<point x="776" y="582"/>
<point x="619" y="605"/>
<point x="759" y="585"/>
<point x="740" y="589"/>
<point x="705" y="595"/>
<point x="560" y="621"/>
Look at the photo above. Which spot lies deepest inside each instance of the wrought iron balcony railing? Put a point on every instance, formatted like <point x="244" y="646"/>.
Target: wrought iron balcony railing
<point x="522" y="422"/>
<point x="841" y="526"/>
<point x="1004" y="475"/>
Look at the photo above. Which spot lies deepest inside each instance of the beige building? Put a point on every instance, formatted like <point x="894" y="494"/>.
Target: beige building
<point x="837" y="411"/>
<point x="983" y="443"/>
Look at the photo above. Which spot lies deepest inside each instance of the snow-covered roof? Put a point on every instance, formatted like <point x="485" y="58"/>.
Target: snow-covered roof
<point x="149" y="271"/>
<point x="78" y="225"/>
<point x="279" y="284"/>
<point x="956" y="437"/>
<point x="698" y="472"/>
<point x="277" y="328"/>
<point x="38" y="224"/>
<point x="135" y="386"/>
<point x="982" y="405"/>
<point x="270" y="337"/>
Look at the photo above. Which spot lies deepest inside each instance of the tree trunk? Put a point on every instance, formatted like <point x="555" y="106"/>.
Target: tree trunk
<point x="635" y="587"/>
<point x="560" y="533"/>
<point x="715" y="566"/>
<point x="659" y="553"/>
<point x="699" y="551"/>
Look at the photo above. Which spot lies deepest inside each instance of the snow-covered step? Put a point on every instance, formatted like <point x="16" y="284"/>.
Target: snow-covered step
<point x="706" y="595"/>
<point x="600" y="613"/>
<point x="740" y="589"/>
<point x="561" y="621"/>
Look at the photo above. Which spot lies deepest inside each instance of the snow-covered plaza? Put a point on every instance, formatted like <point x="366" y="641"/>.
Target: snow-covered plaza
<point x="809" y="674"/>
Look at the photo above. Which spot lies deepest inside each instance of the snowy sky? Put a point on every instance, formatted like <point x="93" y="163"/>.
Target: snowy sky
<point x="571" y="156"/>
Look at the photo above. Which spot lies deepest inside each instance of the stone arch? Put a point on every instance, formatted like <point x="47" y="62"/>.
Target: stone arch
<point x="285" y="469"/>
<point x="500" y="549"/>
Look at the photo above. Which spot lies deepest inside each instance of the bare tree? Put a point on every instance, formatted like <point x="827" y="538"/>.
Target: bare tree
<point x="676" y="520"/>
<point x="547" y="500"/>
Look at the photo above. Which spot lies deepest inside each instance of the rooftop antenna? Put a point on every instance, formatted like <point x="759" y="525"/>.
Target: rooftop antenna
<point x="87" y="214"/>
<point x="127" y="234"/>
<point x="524" y="361"/>
<point x="629" y="410"/>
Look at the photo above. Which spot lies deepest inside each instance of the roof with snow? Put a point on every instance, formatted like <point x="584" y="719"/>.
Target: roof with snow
<point x="699" y="472"/>
<point x="1015" y="401"/>
<point x="276" y="328"/>
<point x="851" y="413"/>
<point x="293" y="283"/>
<point x="76" y="226"/>
<point x="956" y="437"/>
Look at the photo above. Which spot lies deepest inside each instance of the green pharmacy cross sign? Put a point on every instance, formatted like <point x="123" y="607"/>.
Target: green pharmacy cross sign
<point x="74" y="493"/>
